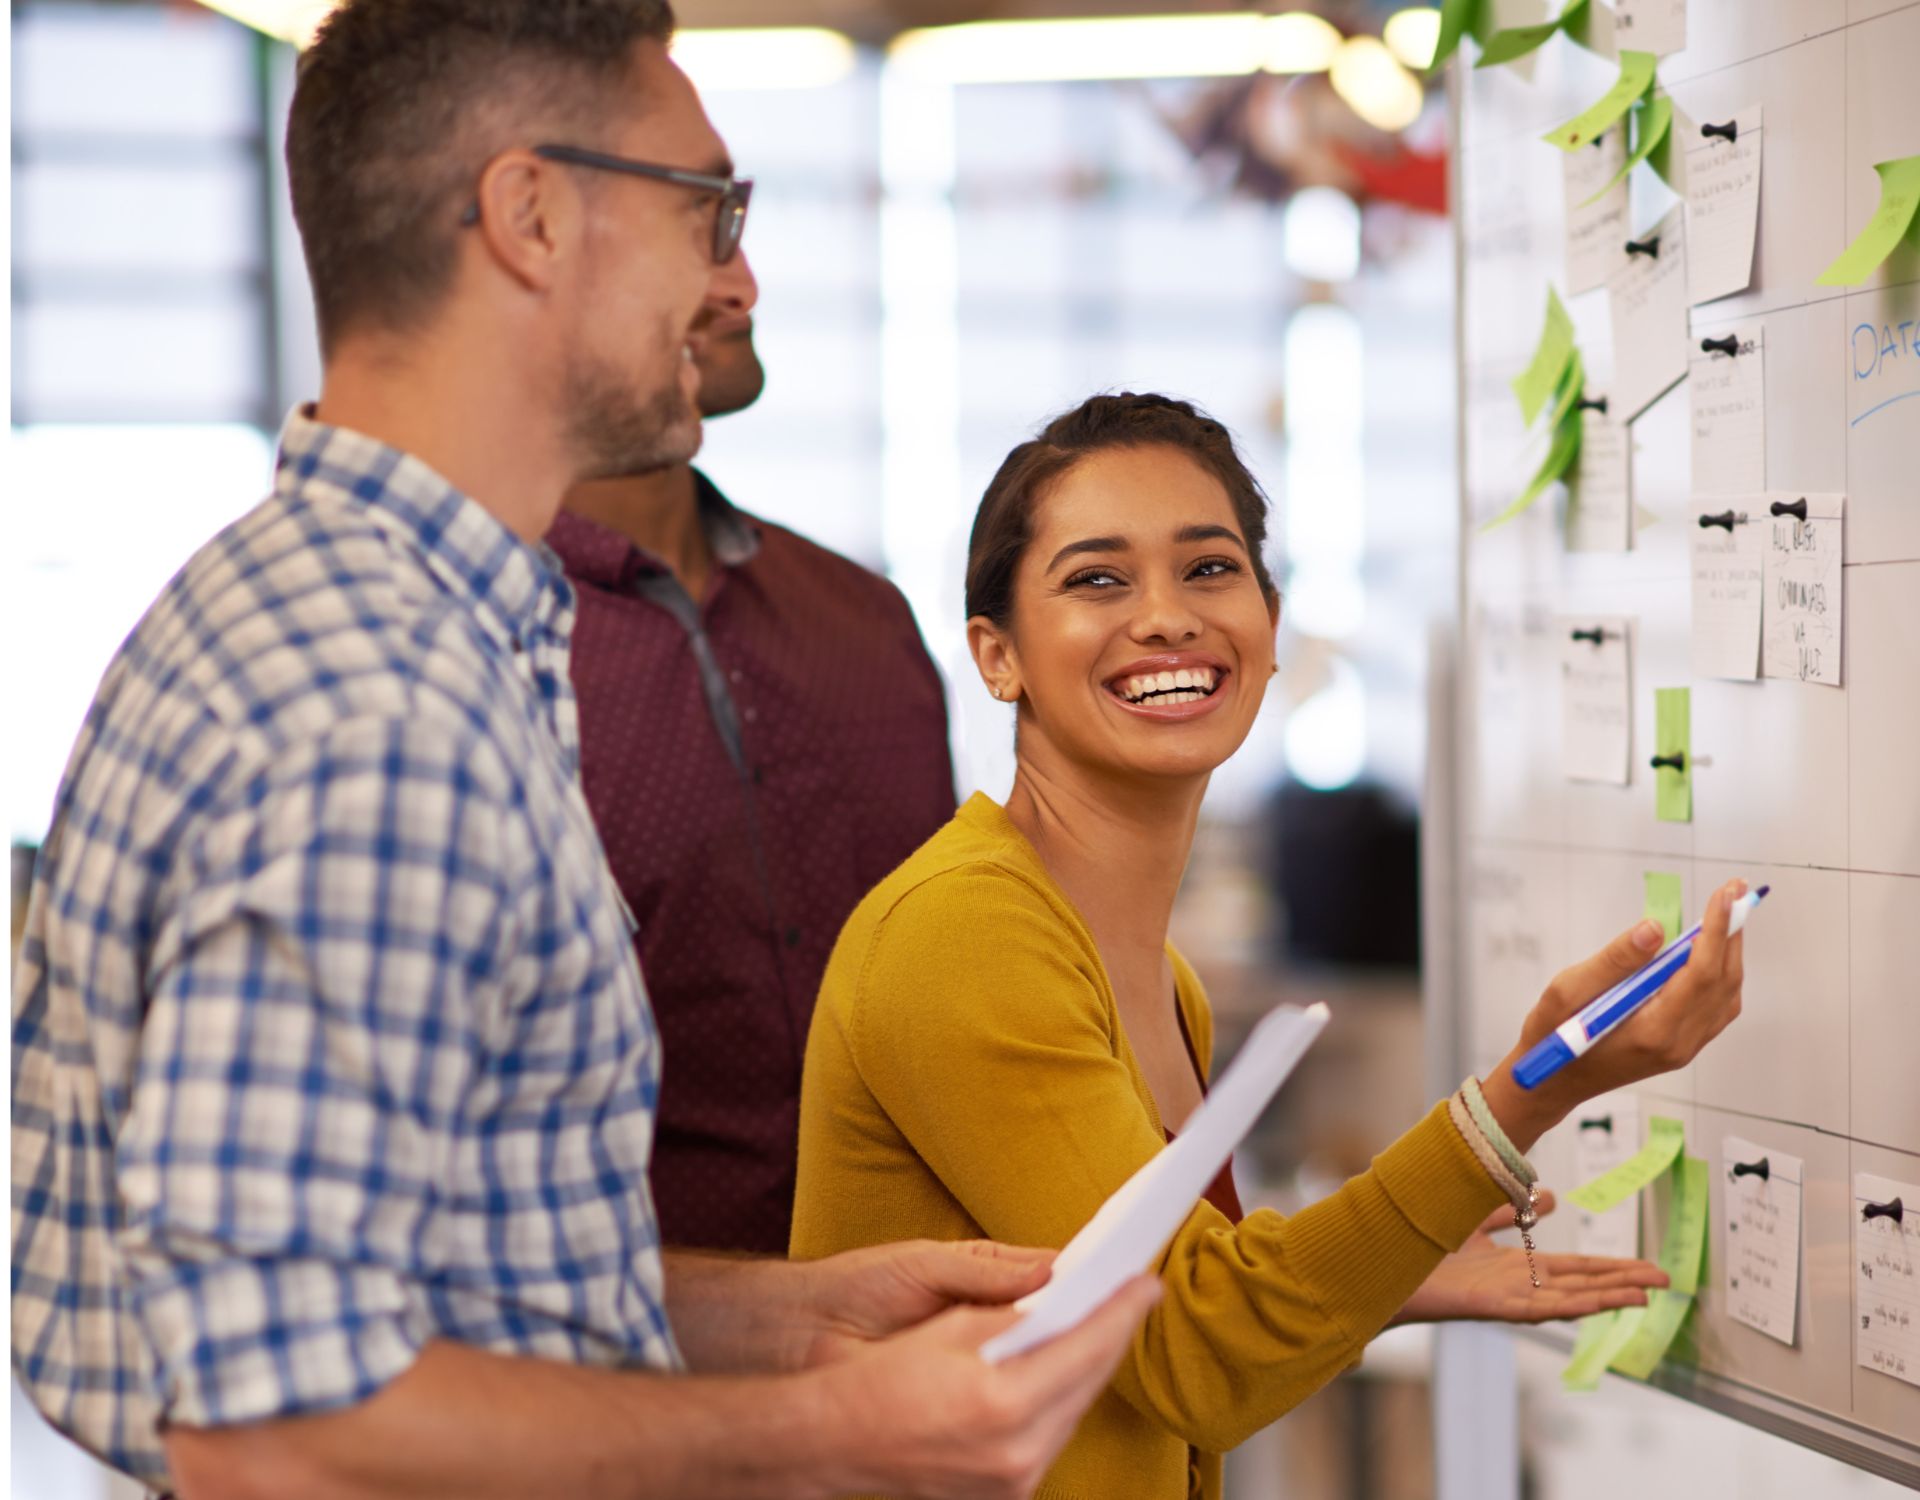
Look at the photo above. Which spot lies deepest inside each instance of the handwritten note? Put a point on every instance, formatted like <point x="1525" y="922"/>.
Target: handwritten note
<point x="1728" y="585"/>
<point x="1763" y="1236"/>
<point x="1651" y="119"/>
<point x="1723" y="207"/>
<point x="1665" y="1138"/>
<point x="1596" y="698"/>
<point x="1648" y="297"/>
<point x="1800" y="631"/>
<point x="1600" y="499"/>
<point x="1608" y="1136"/>
<point x="1596" y="195"/>
<point x="1656" y="26"/>
<point x="1886" y="1335"/>
<point x="1728" y="396"/>
<point x="1899" y="197"/>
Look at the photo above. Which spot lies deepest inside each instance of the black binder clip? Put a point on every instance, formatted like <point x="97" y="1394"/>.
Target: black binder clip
<point x="1729" y="346"/>
<point x="1649" y="247"/>
<point x="1891" y="1211"/>
<point x="1726" y="518"/>
<point x="1596" y="635"/>
<point x="1795" y="508"/>
<point x="1591" y="403"/>
<point x="1598" y="1122"/>
<point x="1728" y="132"/>
<point x="1763" y="1169"/>
<point x="1677" y="761"/>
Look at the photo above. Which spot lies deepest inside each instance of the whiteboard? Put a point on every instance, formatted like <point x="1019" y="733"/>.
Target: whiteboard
<point x="1813" y="789"/>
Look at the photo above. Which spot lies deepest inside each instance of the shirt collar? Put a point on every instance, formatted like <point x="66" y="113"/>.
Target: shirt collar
<point x="515" y="587"/>
<point x="601" y="556"/>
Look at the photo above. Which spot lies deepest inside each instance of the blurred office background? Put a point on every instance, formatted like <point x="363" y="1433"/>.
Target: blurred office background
<point x="957" y="232"/>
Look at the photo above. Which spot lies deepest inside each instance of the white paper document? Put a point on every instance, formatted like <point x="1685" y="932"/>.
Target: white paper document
<point x="1648" y="299"/>
<point x="1728" y="396"/>
<point x="1656" y="26"/>
<point x="1723" y="206"/>
<point x="1596" y="698"/>
<point x="1763" y="1236"/>
<point x="1800" y="631"/>
<point x="1728" y="581"/>
<point x="1128" y="1232"/>
<point x="1609" y="1133"/>
<point x="1886" y="1334"/>
<point x="1600" y="499"/>
<point x="1597" y="232"/>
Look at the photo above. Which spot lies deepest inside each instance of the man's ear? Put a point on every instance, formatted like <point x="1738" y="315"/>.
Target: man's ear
<point x="994" y="656"/>
<point x="529" y="215"/>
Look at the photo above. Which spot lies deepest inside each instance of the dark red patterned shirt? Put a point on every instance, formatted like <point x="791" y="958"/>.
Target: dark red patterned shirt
<point x="756" y="764"/>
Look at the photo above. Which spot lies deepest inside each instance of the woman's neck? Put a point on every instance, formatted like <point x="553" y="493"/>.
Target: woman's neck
<point x="1117" y="847"/>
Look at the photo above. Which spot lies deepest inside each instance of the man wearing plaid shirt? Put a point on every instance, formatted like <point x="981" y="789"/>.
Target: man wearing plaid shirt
<point x="334" y="1076"/>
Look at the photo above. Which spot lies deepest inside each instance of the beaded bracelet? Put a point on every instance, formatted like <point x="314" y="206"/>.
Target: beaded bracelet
<point x="1520" y="1187"/>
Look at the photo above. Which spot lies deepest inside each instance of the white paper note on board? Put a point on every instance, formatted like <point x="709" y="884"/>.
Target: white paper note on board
<point x="1596" y="698"/>
<point x="1800" y="629"/>
<point x="1886" y="1333"/>
<point x="1726" y="389"/>
<point x="1648" y="300"/>
<point x="1723" y="205"/>
<point x="1763" y="1236"/>
<point x="1600" y="499"/>
<point x="1597" y="232"/>
<point x="1609" y="1133"/>
<point x="1656" y="26"/>
<point x="1729" y="568"/>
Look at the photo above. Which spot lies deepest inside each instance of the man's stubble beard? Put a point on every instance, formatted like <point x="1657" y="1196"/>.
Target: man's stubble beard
<point x="616" y="431"/>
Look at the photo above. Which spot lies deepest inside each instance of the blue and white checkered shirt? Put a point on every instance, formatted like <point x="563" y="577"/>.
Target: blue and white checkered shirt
<point x="328" y="1035"/>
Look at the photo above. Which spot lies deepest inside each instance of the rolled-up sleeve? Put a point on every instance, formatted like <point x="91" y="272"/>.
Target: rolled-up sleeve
<point x="315" y="997"/>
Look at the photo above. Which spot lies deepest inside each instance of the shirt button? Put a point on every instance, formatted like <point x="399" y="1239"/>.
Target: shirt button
<point x="793" y="937"/>
<point x="736" y="675"/>
<point x="749" y="715"/>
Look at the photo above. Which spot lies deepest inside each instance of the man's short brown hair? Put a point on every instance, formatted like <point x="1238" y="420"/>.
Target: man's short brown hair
<point x="398" y="107"/>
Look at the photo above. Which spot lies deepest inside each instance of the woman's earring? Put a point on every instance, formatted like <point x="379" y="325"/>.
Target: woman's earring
<point x="994" y="690"/>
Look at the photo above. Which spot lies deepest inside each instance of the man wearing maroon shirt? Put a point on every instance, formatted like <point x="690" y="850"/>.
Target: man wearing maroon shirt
<point x="763" y="738"/>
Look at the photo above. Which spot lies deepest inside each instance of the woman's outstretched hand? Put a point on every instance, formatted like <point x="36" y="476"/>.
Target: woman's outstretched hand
<point x="1490" y="1281"/>
<point x="1667" y="1032"/>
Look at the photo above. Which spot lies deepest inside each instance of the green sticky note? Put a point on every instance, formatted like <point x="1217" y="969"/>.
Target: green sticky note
<point x="1572" y="384"/>
<point x="1541" y="377"/>
<point x="1458" y="18"/>
<point x="1672" y="738"/>
<point x="1662" y="901"/>
<point x="1683" y="1250"/>
<point x="1652" y="119"/>
<point x="1601" y="1336"/>
<point x="1655" y="1330"/>
<point x="1636" y="76"/>
<point x="1665" y="1138"/>
<point x="1518" y="41"/>
<point x="1899" y="196"/>
<point x="1560" y="457"/>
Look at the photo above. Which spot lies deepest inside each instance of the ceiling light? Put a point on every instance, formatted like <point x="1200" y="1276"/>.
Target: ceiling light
<point x="1064" y="51"/>
<point x="293" y="21"/>
<point x="1299" y="42"/>
<point x="770" y="57"/>
<point x="1375" y="86"/>
<point x="1411" y="35"/>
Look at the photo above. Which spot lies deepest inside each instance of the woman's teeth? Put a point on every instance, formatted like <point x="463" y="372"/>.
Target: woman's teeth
<point x="1188" y="685"/>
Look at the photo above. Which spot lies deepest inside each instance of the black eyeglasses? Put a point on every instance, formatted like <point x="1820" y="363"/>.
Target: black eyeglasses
<point x="729" y="223"/>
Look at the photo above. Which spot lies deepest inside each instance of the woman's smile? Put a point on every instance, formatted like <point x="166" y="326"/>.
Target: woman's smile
<point x="1171" y="686"/>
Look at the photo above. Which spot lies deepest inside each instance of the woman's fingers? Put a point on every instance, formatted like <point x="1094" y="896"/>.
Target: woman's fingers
<point x="1574" y="986"/>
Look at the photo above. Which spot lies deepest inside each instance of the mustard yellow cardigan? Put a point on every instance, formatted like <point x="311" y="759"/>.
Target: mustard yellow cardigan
<point x="967" y="1076"/>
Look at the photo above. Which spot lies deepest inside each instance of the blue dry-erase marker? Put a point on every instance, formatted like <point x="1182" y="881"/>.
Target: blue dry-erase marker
<point x="1549" y="1055"/>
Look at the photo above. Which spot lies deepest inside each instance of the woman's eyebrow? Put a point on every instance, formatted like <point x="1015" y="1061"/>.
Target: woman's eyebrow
<point x="1209" y="534"/>
<point x="1088" y="544"/>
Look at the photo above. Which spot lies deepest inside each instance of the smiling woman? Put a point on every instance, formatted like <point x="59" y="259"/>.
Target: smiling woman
<point x="1004" y="1034"/>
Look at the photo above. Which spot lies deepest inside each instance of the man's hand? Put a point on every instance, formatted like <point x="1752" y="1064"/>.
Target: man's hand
<point x="933" y="1420"/>
<point x="865" y="1295"/>
<point x="1486" y="1280"/>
